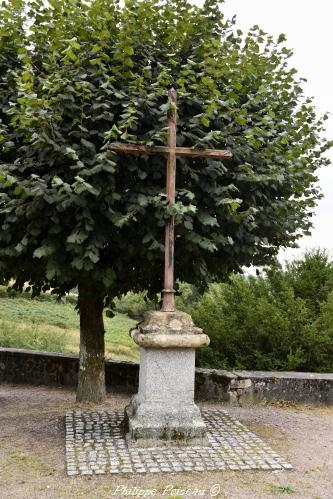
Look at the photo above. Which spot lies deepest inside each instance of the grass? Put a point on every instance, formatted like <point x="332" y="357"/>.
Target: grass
<point x="21" y="465"/>
<point x="284" y="489"/>
<point x="26" y="462"/>
<point x="33" y="337"/>
<point x="44" y="324"/>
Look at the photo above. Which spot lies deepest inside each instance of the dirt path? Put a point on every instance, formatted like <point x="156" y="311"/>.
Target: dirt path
<point x="32" y="454"/>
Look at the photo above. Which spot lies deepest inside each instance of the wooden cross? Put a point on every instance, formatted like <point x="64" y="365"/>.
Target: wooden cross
<point x="171" y="151"/>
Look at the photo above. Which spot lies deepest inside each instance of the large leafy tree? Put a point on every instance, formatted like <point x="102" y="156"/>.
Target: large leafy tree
<point x="310" y="276"/>
<point x="75" y="75"/>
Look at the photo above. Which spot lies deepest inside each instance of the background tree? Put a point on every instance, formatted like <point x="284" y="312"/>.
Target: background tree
<point x="279" y="321"/>
<point x="311" y="277"/>
<point x="74" y="214"/>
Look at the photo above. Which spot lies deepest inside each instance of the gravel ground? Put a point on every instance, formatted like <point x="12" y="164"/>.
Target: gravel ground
<point x="32" y="453"/>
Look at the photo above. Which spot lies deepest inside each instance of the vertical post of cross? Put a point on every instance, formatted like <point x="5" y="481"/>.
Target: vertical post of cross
<point x="163" y="410"/>
<point x="168" y="291"/>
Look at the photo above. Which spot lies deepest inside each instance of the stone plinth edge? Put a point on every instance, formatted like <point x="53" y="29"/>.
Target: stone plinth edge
<point x="168" y="330"/>
<point x="169" y="340"/>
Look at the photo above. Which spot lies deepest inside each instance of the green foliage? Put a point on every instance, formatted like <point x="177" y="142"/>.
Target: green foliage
<point x="86" y="73"/>
<point x="311" y="278"/>
<point x="320" y="338"/>
<point x="134" y="304"/>
<point x="186" y="295"/>
<point x="262" y="323"/>
<point x="10" y="292"/>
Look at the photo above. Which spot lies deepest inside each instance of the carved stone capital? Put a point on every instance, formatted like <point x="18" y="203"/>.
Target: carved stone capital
<point x="168" y="330"/>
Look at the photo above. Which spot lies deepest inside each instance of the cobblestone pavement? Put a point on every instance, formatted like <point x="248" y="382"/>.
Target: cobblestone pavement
<point x="95" y="444"/>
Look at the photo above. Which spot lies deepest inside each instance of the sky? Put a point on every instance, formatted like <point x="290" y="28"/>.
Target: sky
<point x="308" y="26"/>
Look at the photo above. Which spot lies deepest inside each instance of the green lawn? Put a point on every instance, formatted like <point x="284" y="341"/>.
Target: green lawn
<point x="48" y="325"/>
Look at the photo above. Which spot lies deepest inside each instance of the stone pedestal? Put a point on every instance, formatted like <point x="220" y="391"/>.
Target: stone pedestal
<point x="164" y="407"/>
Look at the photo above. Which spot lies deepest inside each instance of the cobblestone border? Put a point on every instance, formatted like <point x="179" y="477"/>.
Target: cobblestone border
<point x="95" y="445"/>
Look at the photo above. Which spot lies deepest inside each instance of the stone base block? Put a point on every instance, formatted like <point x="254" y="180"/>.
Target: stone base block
<point x="151" y="424"/>
<point x="164" y="411"/>
<point x="164" y="408"/>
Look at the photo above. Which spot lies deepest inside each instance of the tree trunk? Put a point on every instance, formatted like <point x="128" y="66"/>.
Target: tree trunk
<point x="91" y="382"/>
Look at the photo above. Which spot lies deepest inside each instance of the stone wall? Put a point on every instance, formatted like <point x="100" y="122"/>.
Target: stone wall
<point x="56" y="369"/>
<point x="43" y="368"/>
<point x="307" y="388"/>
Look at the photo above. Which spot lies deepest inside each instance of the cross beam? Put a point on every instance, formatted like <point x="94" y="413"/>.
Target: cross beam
<point x="171" y="151"/>
<point x="183" y="152"/>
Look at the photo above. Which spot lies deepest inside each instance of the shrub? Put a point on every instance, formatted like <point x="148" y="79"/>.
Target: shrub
<point x="318" y="344"/>
<point x="186" y="296"/>
<point x="255" y="325"/>
<point x="134" y="304"/>
<point x="311" y="277"/>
